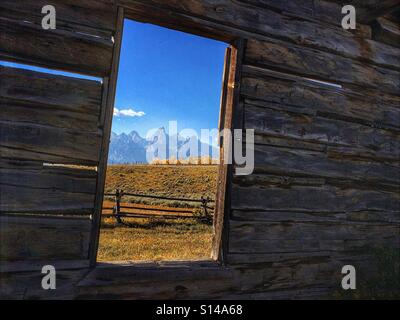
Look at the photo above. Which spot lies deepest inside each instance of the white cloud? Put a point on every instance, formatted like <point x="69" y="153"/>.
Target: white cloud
<point x="128" y="113"/>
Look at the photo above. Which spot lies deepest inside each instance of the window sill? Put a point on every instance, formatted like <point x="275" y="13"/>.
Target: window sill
<point x="154" y="273"/>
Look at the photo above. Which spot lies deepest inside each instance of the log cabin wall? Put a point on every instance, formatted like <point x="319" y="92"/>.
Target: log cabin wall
<point x="324" y="103"/>
<point x="51" y="134"/>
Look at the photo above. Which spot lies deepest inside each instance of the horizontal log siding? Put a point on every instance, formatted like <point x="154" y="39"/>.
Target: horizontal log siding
<point x="324" y="103"/>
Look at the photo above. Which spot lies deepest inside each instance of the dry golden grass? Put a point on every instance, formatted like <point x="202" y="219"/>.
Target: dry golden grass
<point x="155" y="240"/>
<point x="189" y="181"/>
<point x="190" y="161"/>
<point x="158" y="239"/>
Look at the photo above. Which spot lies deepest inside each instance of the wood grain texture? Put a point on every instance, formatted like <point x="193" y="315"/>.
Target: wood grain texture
<point x="313" y="276"/>
<point x="50" y="190"/>
<point x="37" y="265"/>
<point x="319" y="164"/>
<point x="22" y="154"/>
<point x="330" y="11"/>
<point x="195" y="280"/>
<point x="108" y="102"/>
<point x="278" y="120"/>
<point x="51" y="91"/>
<point x="230" y="114"/>
<point x="372" y="9"/>
<point x="393" y="16"/>
<point x="27" y="285"/>
<point x="372" y="217"/>
<point x="178" y="281"/>
<point x="43" y="238"/>
<point x="371" y="108"/>
<point x="49" y="117"/>
<point x="325" y="187"/>
<point x="219" y="212"/>
<point x="257" y="193"/>
<point x="94" y="17"/>
<point x="31" y="112"/>
<point x="25" y="42"/>
<point x="264" y="237"/>
<point x="70" y="179"/>
<point x="321" y="11"/>
<point x="259" y="22"/>
<point x="386" y="31"/>
<point x="64" y="143"/>
<point x="296" y="277"/>
<point x="322" y="66"/>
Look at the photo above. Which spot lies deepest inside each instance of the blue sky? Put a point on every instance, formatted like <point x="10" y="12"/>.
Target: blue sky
<point x="167" y="75"/>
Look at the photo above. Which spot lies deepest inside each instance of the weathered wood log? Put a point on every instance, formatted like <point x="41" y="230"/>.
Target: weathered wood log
<point x="386" y="31"/>
<point x="283" y="181"/>
<point x="108" y="100"/>
<point x="26" y="285"/>
<point x="125" y="273"/>
<point x="362" y="154"/>
<point x="274" y="119"/>
<point x="22" y="154"/>
<point x="319" y="164"/>
<point x="393" y="16"/>
<point x="54" y="116"/>
<point x="294" y="276"/>
<point x="30" y="112"/>
<point x="50" y="91"/>
<point x="31" y="187"/>
<point x="373" y="217"/>
<point x="322" y="257"/>
<point x="16" y="199"/>
<point x="264" y="178"/>
<point x="308" y="198"/>
<point x="193" y="281"/>
<point x="259" y="22"/>
<point x="54" y="178"/>
<point x="272" y="237"/>
<point x="342" y="153"/>
<point x="369" y="10"/>
<point x="321" y="11"/>
<point x="24" y="42"/>
<point x="378" y="110"/>
<point x="14" y="267"/>
<point x="95" y="17"/>
<point x="322" y="66"/>
<point x="41" y="238"/>
<point x="298" y="276"/>
<point x="69" y="144"/>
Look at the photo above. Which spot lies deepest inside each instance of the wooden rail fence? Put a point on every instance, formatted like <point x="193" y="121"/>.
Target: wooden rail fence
<point x="119" y="210"/>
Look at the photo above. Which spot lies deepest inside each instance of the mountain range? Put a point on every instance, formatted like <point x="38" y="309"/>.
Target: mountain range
<point x="131" y="147"/>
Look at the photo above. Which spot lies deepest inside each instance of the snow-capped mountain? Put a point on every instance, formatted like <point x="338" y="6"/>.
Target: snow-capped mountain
<point x="131" y="148"/>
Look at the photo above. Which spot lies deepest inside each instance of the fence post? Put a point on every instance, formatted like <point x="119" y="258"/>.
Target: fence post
<point x="118" y="205"/>
<point x="204" y="204"/>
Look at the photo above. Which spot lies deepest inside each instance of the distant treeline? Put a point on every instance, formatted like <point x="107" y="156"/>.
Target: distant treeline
<point x="190" y="161"/>
<point x="174" y="161"/>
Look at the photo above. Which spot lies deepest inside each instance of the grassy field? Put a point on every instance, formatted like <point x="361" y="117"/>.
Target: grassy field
<point x="158" y="239"/>
<point x="155" y="240"/>
<point x="187" y="181"/>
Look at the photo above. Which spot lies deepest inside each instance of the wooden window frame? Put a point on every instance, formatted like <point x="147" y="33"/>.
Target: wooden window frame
<point x="230" y="110"/>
